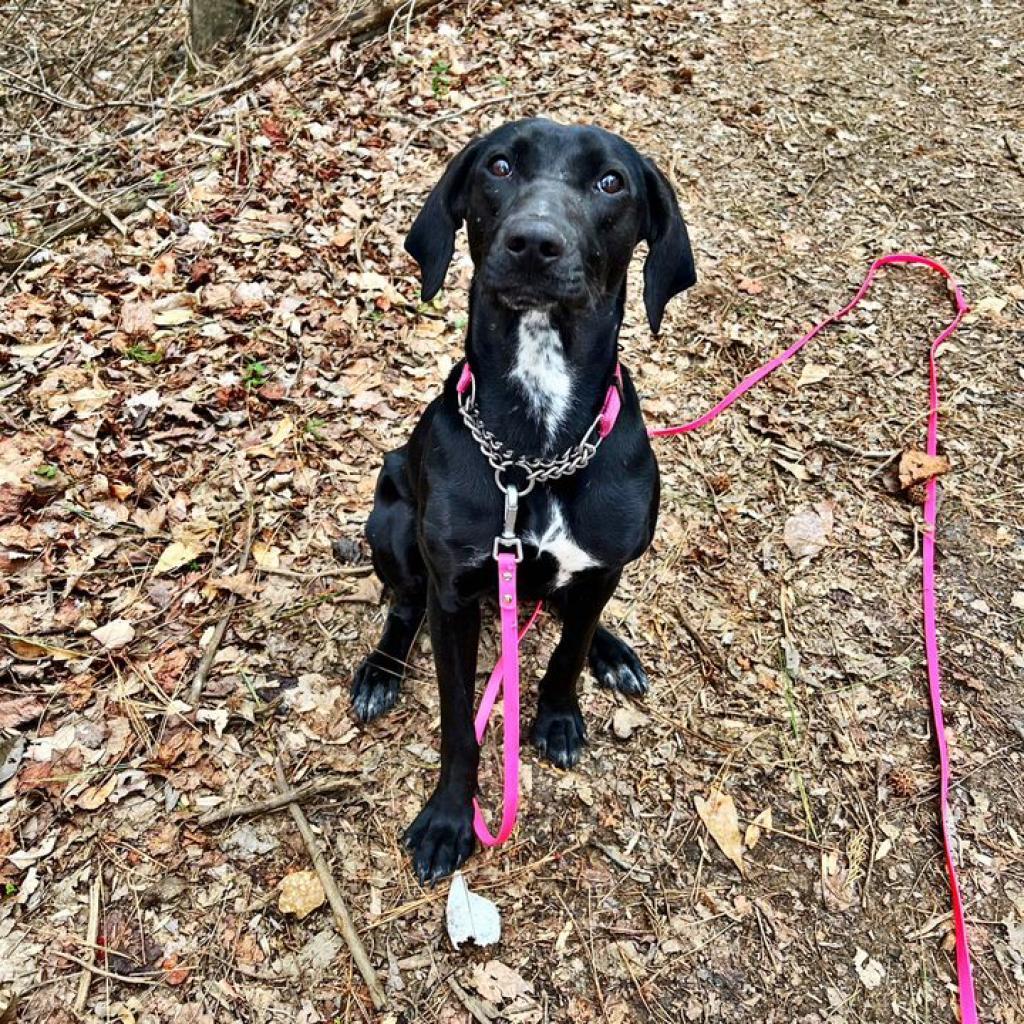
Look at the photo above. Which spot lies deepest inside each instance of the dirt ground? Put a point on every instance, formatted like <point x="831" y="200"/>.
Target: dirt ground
<point x="195" y="410"/>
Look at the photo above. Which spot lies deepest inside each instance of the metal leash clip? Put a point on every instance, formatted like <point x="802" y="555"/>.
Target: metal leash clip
<point x="508" y="539"/>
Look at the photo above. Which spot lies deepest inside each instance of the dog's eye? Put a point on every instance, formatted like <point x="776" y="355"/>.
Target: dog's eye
<point x="611" y="183"/>
<point x="500" y="167"/>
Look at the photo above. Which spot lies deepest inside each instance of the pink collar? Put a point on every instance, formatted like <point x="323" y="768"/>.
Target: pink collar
<point x="609" y="411"/>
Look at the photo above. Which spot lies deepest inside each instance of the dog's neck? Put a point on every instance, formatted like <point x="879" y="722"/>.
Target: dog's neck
<point x="541" y="375"/>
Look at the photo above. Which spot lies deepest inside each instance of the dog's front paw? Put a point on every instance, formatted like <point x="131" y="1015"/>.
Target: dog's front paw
<point x="615" y="666"/>
<point x="559" y="734"/>
<point x="374" y="690"/>
<point x="441" y="838"/>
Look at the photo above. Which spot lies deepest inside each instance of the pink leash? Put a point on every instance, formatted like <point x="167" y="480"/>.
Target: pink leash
<point x="507" y="669"/>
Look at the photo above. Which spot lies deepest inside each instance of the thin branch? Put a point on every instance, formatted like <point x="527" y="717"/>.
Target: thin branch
<point x="91" y="203"/>
<point x="149" y="978"/>
<point x="342" y="918"/>
<point x="196" y="690"/>
<point x="91" y="932"/>
<point x="274" y="803"/>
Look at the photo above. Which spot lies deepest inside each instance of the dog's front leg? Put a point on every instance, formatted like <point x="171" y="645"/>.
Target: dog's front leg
<point x="441" y="837"/>
<point x="558" y="731"/>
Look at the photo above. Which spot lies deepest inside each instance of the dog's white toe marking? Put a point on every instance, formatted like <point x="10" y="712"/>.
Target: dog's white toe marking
<point x="541" y="371"/>
<point x="557" y="542"/>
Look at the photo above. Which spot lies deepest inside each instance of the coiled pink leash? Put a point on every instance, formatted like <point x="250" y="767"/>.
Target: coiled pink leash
<point x="507" y="669"/>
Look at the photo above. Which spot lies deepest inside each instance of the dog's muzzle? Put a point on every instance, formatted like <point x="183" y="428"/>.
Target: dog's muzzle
<point x="535" y="261"/>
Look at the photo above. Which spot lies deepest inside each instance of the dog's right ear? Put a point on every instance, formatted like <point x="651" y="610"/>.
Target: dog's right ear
<point x="431" y="240"/>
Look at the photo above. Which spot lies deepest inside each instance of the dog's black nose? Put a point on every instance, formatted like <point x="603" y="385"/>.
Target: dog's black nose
<point x="535" y="241"/>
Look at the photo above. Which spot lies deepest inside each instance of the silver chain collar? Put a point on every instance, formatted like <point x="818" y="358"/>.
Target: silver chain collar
<point x="501" y="458"/>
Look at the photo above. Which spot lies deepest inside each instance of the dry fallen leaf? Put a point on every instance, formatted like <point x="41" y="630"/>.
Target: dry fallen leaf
<point x="625" y="721"/>
<point x="763" y="822"/>
<point x="115" y="634"/>
<point x="813" y="373"/>
<point x="266" y="556"/>
<point x="869" y="970"/>
<point x="301" y="894"/>
<point x="96" y="796"/>
<point x="470" y="916"/>
<point x="836" y="882"/>
<point x="498" y="983"/>
<point x="174" y="556"/>
<point x="282" y="431"/>
<point x="718" y="813"/>
<point x="808" y="531"/>
<point x="917" y="467"/>
<point x="19" y="710"/>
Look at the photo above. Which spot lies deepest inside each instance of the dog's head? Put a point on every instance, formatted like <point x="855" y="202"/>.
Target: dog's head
<point x="553" y="214"/>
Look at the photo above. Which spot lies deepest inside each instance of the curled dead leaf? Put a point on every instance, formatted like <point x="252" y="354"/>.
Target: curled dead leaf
<point x="763" y="822"/>
<point x="917" y="467"/>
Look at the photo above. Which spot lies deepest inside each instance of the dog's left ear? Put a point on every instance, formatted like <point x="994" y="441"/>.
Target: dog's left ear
<point x="431" y="240"/>
<point x="669" y="268"/>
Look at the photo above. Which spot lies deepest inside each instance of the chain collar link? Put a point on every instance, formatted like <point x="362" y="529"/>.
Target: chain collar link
<point x="501" y="458"/>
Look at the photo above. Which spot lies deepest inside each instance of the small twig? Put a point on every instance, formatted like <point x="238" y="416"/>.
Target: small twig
<point x="274" y="803"/>
<point x="205" y="665"/>
<point x="91" y="203"/>
<point x="149" y="978"/>
<point x="342" y="918"/>
<point x="91" y="932"/>
<point x="1014" y="156"/>
<point x="864" y="453"/>
<point x="312" y="577"/>
<point x="704" y="648"/>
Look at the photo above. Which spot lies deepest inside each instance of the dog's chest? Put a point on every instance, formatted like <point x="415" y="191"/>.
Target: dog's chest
<point x="551" y="535"/>
<point x="541" y="371"/>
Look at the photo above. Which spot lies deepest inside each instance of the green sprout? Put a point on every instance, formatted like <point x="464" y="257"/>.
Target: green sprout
<point x="146" y="356"/>
<point x="255" y="375"/>
<point x="440" y="84"/>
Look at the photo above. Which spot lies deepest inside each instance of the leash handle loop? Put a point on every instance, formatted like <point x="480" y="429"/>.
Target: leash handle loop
<point x="968" y="1005"/>
<point x="505" y="677"/>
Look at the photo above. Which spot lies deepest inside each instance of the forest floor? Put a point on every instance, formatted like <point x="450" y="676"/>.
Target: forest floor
<point x="195" y="409"/>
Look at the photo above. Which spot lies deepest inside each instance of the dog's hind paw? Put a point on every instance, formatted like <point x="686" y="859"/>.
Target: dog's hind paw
<point x="615" y="666"/>
<point x="374" y="690"/>
<point x="441" y="838"/>
<point x="559" y="734"/>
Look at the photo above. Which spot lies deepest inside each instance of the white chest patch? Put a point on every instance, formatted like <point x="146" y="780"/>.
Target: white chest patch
<point x="541" y="371"/>
<point x="557" y="542"/>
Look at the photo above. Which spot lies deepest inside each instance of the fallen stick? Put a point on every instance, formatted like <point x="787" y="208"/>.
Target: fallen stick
<point x="342" y="918"/>
<point x="703" y="647"/>
<point x="91" y="933"/>
<point x="91" y="203"/>
<point x="273" y="803"/>
<point x="149" y="978"/>
<point x="196" y="690"/>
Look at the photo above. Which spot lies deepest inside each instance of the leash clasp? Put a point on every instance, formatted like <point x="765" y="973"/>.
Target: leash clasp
<point x="507" y="538"/>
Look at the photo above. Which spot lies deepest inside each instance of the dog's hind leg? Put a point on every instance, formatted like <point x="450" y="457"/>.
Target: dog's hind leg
<point x="615" y="665"/>
<point x="391" y="531"/>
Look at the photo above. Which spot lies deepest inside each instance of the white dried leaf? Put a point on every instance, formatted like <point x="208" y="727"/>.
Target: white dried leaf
<point x="470" y="916"/>
<point x="116" y="633"/>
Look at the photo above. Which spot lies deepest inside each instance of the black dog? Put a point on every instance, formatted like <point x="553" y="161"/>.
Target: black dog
<point x="553" y="215"/>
